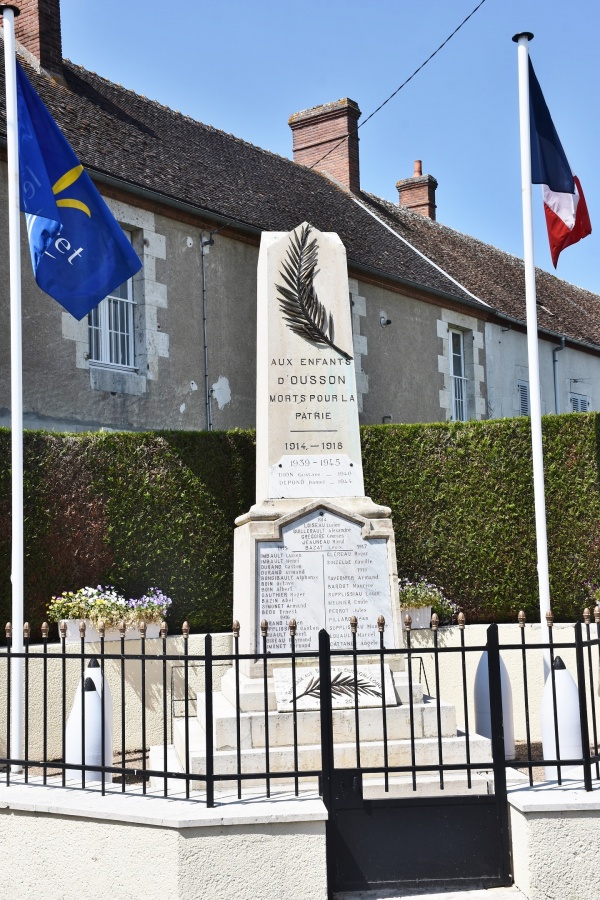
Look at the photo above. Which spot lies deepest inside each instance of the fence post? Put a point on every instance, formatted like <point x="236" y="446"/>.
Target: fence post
<point x="498" y="757"/>
<point x="8" y="699"/>
<point x="326" y="716"/>
<point x="327" y="760"/>
<point x="208" y="698"/>
<point x="583" y="718"/>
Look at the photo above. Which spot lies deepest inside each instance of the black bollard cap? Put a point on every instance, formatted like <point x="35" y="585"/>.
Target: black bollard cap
<point x="559" y="664"/>
<point x="89" y="685"/>
<point x="93" y="663"/>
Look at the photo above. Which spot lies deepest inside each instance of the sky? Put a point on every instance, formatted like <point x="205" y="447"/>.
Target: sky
<point x="245" y="67"/>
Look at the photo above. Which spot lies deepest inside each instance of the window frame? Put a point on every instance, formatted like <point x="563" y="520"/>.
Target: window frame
<point x="106" y="340"/>
<point x="458" y="382"/>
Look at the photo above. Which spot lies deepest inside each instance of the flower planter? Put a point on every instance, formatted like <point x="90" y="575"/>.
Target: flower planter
<point x="421" y="617"/>
<point x="111" y="634"/>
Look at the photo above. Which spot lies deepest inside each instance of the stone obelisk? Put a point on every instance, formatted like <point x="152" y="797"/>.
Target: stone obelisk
<point x="313" y="548"/>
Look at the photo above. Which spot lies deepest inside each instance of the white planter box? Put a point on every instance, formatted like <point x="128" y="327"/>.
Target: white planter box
<point x="111" y="634"/>
<point x="421" y="618"/>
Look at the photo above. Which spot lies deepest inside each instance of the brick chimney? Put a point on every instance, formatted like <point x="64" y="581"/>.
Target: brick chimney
<point x="331" y="127"/>
<point x="37" y="29"/>
<point x="418" y="193"/>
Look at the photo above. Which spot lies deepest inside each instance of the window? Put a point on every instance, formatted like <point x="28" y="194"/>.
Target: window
<point x="110" y="329"/>
<point x="523" y="392"/>
<point x="579" y="402"/>
<point x="457" y="377"/>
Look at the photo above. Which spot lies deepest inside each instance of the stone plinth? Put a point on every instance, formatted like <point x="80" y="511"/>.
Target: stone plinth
<point x="424" y="729"/>
<point x="290" y="566"/>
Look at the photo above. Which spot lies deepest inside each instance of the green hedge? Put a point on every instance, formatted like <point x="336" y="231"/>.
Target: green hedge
<point x="462" y="504"/>
<point x="133" y="509"/>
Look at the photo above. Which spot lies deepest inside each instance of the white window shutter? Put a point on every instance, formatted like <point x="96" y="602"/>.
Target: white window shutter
<point x="579" y="402"/>
<point x="523" y="391"/>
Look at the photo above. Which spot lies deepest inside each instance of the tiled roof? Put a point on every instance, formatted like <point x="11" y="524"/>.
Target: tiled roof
<point x="136" y="140"/>
<point x="497" y="277"/>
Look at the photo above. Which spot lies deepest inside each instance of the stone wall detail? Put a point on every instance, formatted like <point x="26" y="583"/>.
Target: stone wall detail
<point x="150" y="295"/>
<point x="359" y="310"/>
<point x="474" y="346"/>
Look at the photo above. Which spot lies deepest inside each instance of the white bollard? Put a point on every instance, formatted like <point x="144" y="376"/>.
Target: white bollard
<point x="568" y="720"/>
<point x="483" y="722"/>
<point x="93" y="726"/>
<point x="94" y="672"/>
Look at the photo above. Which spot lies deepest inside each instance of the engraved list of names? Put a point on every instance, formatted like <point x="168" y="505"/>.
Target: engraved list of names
<point x="320" y="573"/>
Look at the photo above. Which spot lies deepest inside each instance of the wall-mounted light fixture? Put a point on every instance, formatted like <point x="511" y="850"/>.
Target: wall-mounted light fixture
<point x="386" y="419"/>
<point x="384" y="321"/>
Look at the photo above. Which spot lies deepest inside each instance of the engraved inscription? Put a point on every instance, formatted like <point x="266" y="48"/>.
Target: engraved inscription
<point x="365" y="690"/>
<point x="320" y="573"/>
<point x="306" y="380"/>
<point x="307" y="476"/>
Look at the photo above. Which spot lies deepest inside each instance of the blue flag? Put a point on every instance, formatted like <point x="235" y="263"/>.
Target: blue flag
<point x="78" y="250"/>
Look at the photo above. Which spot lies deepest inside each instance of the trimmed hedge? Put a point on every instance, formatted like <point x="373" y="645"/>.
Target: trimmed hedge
<point x="132" y="510"/>
<point x="461" y="496"/>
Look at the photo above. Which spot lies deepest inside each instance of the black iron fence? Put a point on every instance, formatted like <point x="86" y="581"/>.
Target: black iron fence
<point x="358" y="709"/>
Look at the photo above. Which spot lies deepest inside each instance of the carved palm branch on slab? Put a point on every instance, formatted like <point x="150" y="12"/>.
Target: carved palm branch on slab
<point x="304" y="313"/>
<point x="342" y="685"/>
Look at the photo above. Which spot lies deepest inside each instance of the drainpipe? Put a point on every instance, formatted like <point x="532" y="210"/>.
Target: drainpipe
<point x="205" y="242"/>
<point x="555" y="353"/>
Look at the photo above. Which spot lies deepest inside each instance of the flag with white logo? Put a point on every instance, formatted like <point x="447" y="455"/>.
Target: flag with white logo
<point x="78" y="250"/>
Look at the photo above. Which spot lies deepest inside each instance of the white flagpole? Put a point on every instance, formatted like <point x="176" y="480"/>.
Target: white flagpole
<point x="522" y="41"/>
<point x="16" y="379"/>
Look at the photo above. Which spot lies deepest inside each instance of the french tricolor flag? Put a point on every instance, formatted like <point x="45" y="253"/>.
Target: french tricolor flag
<point x="564" y="204"/>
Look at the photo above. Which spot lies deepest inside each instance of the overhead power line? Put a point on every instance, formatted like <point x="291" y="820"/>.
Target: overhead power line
<point x="381" y="105"/>
<point x="398" y="89"/>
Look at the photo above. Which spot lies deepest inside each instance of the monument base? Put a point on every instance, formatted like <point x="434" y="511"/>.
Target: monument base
<point x="305" y="560"/>
<point x="317" y="562"/>
<point x="424" y="734"/>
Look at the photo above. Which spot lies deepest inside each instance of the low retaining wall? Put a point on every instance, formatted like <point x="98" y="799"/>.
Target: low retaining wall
<point x="78" y="845"/>
<point x="222" y="644"/>
<point x="554" y="835"/>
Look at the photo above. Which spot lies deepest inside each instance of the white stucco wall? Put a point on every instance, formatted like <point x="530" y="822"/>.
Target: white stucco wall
<point x="77" y="845"/>
<point x="553" y="834"/>
<point x="506" y="356"/>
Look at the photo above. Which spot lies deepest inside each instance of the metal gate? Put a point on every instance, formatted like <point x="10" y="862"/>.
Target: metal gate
<point x="451" y="841"/>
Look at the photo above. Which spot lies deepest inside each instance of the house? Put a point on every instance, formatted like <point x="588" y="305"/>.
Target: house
<point x="438" y="317"/>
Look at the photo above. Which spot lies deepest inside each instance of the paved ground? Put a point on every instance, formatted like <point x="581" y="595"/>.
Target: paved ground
<point x="492" y="894"/>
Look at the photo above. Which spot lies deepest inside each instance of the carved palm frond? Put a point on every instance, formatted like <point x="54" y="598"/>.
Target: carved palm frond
<point x="304" y="313"/>
<point x="342" y="685"/>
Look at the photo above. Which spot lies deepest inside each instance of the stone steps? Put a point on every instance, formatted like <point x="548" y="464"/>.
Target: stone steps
<point x="428" y="783"/>
<point x="251" y="690"/>
<point x="400" y="749"/>
<point x="156" y="760"/>
<point x="281" y="731"/>
<point x="281" y="758"/>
